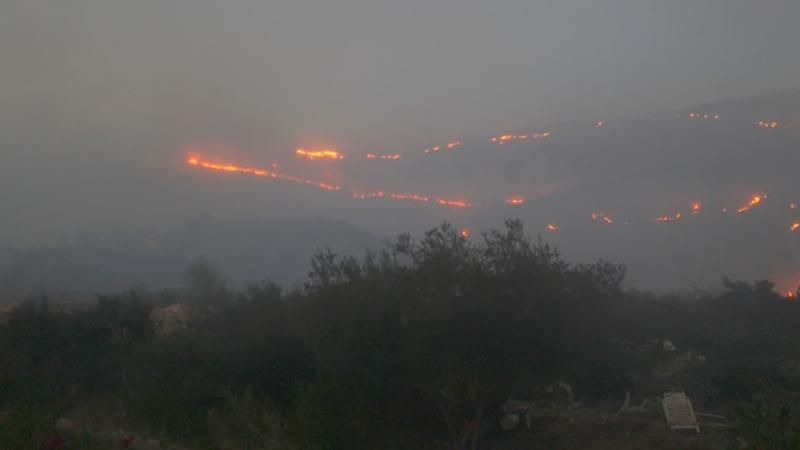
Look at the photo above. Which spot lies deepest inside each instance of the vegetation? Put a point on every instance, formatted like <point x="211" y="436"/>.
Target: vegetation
<point x="418" y="346"/>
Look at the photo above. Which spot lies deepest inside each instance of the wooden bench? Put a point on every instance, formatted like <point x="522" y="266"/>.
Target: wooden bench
<point x="679" y="412"/>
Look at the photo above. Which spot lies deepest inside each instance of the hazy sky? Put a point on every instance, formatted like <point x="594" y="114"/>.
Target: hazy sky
<point x="95" y="91"/>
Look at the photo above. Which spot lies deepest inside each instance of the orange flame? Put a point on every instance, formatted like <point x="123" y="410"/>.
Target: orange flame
<point x="318" y="154"/>
<point x="464" y="233"/>
<point x="602" y="216"/>
<point x="453" y="145"/>
<point x="701" y="116"/>
<point x="392" y="195"/>
<point x="697" y="207"/>
<point x="453" y="203"/>
<point x="767" y="124"/>
<point x="795" y="226"/>
<point x="364" y="196"/>
<point x="414" y="197"/>
<point x="755" y="201"/>
<point x="600" y="124"/>
<point x="506" y="138"/>
<point x="411" y="197"/>
<point x="194" y="161"/>
<point x="515" y="200"/>
<point x="793" y="205"/>
<point x="389" y="156"/>
<point x="676" y="216"/>
<point x="791" y="295"/>
<point x="551" y="227"/>
<point x="433" y="149"/>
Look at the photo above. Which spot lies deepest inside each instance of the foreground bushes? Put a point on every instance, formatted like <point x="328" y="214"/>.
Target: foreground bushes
<point x="414" y="347"/>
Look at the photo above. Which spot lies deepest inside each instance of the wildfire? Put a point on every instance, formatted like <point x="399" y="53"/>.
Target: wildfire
<point x="464" y="233"/>
<point x="515" y="200"/>
<point x="392" y="195"/>
<point x="390" y="156"/>
<point x="668" y="218"/>
<point x="412" y="197"/>
<point x="543" y="135"/>
<point x="448" y="146"/>
<point x="194" y="161"/>
<point x="319" y="154"/>
<point x="791" y="295"/>
<point x="793" y="205"/>
<point x="602" y="216"/>
<point x="767" y="124"/>
<point x="506" y="138"/>
<point x="696" y="208"/>
<point x="364" y="196"/>
<point x="453" y="203"/>
<point x="551" y="227"/>
<point x="599" y="124"/>
<point x="701" y="116"/>
<point x="795" y="226"/>
<point x="755" y="201"/>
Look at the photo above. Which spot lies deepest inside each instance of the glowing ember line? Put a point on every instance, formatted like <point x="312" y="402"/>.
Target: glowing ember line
<point x="414" y="197"/>
<point x="755" y="201"/>
<point x="391" y="156"/>
<point x="433" y="149"/>
<point x="506" y="138"/>
<point x="515" y="200"/>
<point x="453" y="203"/>
<point x="364" y="196"/>
<point x="448" y="146"/>
<point x="194" y="161"/>
<point x="701" y="116"/>
<point x="318" y="154"/>
<point x="672" y="218"/>
<point x="767" y="124"/>
<point x="602" y="216"/>
<point x="392" y="195"/>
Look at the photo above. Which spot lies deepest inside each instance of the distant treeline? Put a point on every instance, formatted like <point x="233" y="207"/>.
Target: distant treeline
<point x="245" y="250"/>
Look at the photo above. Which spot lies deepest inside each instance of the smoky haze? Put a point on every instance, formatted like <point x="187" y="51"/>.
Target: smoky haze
<point x="100" y="103"/>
